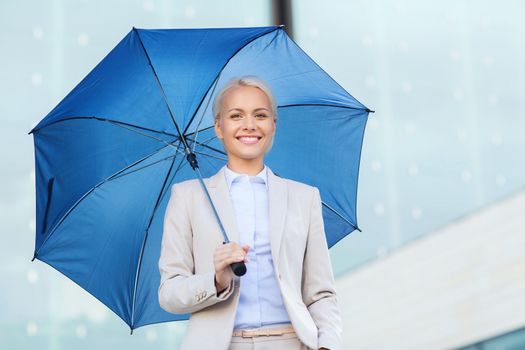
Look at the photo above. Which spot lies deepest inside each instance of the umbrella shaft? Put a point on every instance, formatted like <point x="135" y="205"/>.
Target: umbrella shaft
<point x="192" y="159"/>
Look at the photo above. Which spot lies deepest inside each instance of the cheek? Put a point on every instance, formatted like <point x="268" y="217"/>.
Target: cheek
<point x="222" y="131"/>
<point x="228" y="130"/>
<point x="271" y="130"/>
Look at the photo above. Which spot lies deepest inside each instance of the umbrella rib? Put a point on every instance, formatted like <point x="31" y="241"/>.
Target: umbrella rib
<point x="104" y="120"/>
<point x="90" y="191"/>
<point x="339" y="214"/>
<point x="144" y="240"/>
<point x="160" y="87"/>
<point x="122" y="125"/>
<point x="222" y="69"/>
<point x="145" y="166"/>
<point x="207" y="128"/>
<point x="205" y="109"/>
<point x="334" y="211"/>
<point x="181" y="165"/>
<point x="207" y="146"/>
<point x="324" y="105"/>
<point x="205" y="142"/>
<point x="328" y="75"/>
<point x="152" y="137"/>
<point x="212" y="156"/>
<point x="358" y="168"/>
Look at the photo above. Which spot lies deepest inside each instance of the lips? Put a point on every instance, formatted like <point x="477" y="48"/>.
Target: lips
<point x="249" y="140"/>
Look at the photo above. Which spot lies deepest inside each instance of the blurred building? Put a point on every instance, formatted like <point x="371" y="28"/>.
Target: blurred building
<point x="463" y="284"/>
<point x="440" y="262"/>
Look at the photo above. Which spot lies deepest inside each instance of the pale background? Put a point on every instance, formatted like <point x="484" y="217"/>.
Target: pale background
<point x="447" y="142"/>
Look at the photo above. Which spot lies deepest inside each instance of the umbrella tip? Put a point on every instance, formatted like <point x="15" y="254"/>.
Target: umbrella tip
<point x="131" y="331"/>
<point x="34" y="256"/>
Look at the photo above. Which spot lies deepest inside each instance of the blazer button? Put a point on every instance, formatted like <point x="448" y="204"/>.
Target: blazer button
<point x="280" y="277"/>
<point x="204" y="294"/>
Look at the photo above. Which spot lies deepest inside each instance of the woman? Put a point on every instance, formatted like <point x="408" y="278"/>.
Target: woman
<point x="287" y="299"/>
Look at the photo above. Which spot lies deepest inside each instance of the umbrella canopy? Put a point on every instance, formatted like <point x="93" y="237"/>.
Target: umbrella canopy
<point x="108" y="153"/>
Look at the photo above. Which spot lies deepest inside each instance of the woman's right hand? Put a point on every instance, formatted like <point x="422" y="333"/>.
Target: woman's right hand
<point x="223" y="257"/>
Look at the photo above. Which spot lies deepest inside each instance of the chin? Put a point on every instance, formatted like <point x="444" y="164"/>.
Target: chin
<point x="250" y="156"/>
<point x="246" y="156"/>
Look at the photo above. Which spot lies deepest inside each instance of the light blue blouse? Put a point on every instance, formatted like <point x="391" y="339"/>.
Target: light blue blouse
<point x="260" y="302"/>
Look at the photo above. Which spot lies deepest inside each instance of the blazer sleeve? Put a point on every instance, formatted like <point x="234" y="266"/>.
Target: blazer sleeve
<point x="318" y="285"/>
<point x="181" y="290"/>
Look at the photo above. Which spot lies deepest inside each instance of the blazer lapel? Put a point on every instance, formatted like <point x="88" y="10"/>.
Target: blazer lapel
<point x="277" y="204"/>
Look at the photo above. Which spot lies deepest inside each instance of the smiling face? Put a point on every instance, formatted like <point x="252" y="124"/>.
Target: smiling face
<point x="246" y="126"/>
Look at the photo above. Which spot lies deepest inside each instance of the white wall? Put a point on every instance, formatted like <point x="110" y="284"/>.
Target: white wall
<point x="456" y="286"/>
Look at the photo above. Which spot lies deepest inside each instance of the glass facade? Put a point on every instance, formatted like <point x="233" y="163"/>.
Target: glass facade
<point x="446" y="81"/>
<point x="510" y="341"/>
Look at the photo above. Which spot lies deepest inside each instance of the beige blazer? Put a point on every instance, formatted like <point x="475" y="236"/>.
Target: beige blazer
<point x="300" y="256"/>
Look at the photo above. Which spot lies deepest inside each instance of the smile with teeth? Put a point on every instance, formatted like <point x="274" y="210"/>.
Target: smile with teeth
<point x="249" y="140"/>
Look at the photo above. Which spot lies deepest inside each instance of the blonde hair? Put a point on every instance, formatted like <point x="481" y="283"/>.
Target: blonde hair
<point x="246" y="80"/>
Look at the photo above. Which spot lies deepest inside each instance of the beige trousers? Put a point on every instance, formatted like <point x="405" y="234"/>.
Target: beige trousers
<point x="287" y="341"/>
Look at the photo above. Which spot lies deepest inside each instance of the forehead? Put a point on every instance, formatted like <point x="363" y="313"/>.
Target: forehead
<point x="245" y="96"/>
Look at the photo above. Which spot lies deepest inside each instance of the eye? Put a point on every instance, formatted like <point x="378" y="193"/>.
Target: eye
<point x="235" y="116"/>
<point x="261" y="116"/>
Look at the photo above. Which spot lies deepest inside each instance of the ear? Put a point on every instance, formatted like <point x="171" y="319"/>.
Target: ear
<point x="216" y="126"/>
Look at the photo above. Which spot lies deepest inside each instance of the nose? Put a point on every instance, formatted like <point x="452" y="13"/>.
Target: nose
<point x="249" y="122"/>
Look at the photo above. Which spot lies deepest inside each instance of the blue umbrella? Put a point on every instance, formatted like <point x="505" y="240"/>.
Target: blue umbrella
<point x="107" y="154"/>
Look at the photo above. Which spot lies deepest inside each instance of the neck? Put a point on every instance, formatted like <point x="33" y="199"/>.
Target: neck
<point x="251" y="167"/>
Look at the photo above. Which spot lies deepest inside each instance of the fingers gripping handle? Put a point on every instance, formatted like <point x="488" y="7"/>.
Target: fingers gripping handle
<point x="239" y="268"/>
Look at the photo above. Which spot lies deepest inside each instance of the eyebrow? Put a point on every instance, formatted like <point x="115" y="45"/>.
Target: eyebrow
<point x="255" y="110"/>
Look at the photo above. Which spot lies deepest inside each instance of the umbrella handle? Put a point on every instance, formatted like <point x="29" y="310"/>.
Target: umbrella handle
<point x="239" y="268"/>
